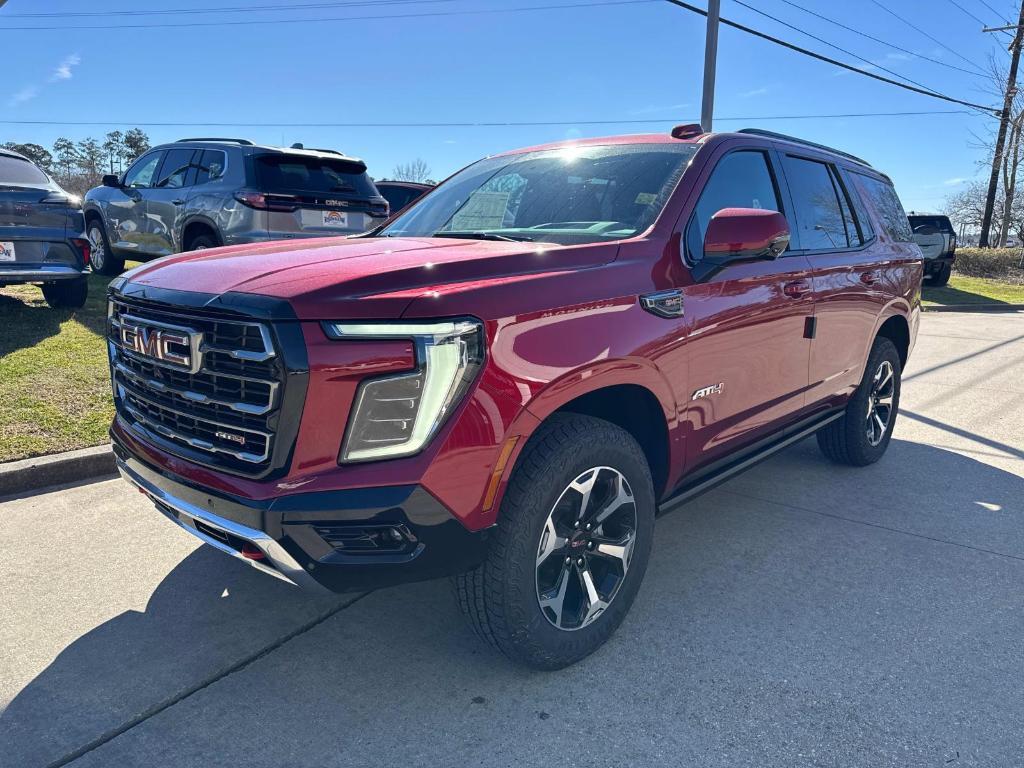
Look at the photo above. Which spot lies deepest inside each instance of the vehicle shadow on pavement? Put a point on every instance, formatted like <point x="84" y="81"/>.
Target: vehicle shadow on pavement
<point x="791" y="610"/>
<point x="25" y="326"/>
<point x="207" y="615"/>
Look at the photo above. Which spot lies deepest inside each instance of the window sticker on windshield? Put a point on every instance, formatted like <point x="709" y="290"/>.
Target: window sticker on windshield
<point x="483" y="210"/>
<point x="756" y="203"/>
<point x="645" y="198"/>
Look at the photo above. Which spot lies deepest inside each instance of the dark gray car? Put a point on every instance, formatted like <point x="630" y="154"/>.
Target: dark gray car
<point x="203" y="193"/>
<point x="42" y="233"/>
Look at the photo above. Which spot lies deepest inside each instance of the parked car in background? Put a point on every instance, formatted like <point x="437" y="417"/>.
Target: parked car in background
<point x="521" y="371"/>
<point x="42" y="233"/>
<point x="205" y="192"/>
<point x="400" y="194"/>
<point x="935" y="236"/>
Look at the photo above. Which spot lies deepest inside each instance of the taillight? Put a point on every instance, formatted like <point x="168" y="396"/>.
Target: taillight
<point x="380" y="209"/>
<point x="62" y="198"/>
<point x="267" y="202"/>
<point x="83" y="246"/>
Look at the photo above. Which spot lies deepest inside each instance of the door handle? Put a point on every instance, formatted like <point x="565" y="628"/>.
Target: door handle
<point x="869" y="277"/>
<point x="796" y="289"/>
<point x="179" y="201"/>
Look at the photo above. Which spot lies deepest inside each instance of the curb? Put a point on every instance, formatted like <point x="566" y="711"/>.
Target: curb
<point x="24" y="475"/>
<point x="972" y="307"/>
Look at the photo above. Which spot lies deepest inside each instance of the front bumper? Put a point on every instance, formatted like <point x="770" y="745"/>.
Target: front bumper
<point x="321" y="541"/>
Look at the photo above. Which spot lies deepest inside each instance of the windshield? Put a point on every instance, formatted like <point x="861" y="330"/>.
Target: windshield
<point x="567" y="196"/>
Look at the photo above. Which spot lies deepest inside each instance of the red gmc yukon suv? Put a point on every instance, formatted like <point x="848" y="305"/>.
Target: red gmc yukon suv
<point x="508" y="382"/>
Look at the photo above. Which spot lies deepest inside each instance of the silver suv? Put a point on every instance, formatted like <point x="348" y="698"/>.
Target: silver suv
<point x="202" y="193"/>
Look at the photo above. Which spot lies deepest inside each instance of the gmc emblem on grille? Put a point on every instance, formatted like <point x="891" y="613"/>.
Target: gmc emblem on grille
<point x="178" y="347"/>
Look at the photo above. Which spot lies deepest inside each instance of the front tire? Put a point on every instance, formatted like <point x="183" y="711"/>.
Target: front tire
<point x="572" y="545"/>
<point x="103" y="260"/>
<point x="67" y="294"/>
<point x="202" y="242"/>
<point x="861" y="435"/>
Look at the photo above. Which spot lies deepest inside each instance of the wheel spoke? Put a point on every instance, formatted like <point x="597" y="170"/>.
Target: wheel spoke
<point x="584" y="487"/>
<point x="618" y="551"/>
<point x="550" y="541"/>
<point x="555" y="600"/>
<point x="884" y="377"/>
<point x="886" y="401"/>
<point x="595" y="605"/>
<point x="881" y="425"/>
<point x="623" y="495"/>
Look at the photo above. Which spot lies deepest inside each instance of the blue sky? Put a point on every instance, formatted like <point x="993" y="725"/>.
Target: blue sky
<point x="639" y="61"/>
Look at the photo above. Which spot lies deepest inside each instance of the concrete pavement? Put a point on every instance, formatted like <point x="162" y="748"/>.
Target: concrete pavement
<point x="802" y="614"/>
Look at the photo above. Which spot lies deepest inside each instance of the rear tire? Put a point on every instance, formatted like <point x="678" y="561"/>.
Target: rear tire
<point x="941" y="277"/>
<point x="67" y="294"/>
<point x="103" y="260"/>
<point x="861" y="435"/>
<point x="552" y="591"/>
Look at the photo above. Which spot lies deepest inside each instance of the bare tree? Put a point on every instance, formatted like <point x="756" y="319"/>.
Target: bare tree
<point x="416" y="170"/>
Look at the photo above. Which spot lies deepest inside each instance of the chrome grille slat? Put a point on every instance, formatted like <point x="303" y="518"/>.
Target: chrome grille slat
<point x="233" y="397"/>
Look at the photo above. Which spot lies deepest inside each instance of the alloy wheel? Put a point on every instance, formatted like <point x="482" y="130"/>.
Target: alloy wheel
<point x="585" y="548"/>
<point x="883" y="387"/>
<point x="96" y="247"/>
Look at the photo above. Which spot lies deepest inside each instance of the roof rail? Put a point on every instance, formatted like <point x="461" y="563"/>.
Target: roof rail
<point x="785" y="137"/>
<point x="246" y="142"/>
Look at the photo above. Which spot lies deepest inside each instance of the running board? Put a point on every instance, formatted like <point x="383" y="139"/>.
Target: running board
<point x="720" y="471"/>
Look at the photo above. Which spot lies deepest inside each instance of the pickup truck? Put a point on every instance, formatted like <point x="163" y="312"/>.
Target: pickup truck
<point x="509" y="381"/>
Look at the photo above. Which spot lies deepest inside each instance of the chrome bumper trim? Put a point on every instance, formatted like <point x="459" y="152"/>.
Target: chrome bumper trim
<point x="184" y="514"/>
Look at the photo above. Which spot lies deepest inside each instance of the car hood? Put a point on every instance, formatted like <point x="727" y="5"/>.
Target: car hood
<point x="353" y="277"/>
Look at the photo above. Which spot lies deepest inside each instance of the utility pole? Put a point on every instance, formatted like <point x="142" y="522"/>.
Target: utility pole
<point x="1004" y="119"/>
<point x="707" y="107"/>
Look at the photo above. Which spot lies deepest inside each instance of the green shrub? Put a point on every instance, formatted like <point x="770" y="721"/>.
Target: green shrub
<point x="993" y="263"/>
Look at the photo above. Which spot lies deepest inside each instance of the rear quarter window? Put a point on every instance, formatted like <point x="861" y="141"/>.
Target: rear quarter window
<point x="14" y="170"/>
<point x="883" y="198"/>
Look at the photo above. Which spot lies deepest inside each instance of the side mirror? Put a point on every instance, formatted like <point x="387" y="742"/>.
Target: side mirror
<point x="111" y="180"/>
<point x="736" y="234"/>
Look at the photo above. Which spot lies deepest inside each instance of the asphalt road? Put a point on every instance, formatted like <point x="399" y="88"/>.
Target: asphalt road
<point x="800" y="615"/>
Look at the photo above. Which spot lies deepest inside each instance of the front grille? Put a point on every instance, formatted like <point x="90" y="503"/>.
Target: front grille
<point x="223" y="406"/>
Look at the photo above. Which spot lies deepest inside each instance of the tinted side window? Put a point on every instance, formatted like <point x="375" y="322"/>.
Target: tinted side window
<point x="141" y="174"/>
<point x="888" y="207"/>
<point x="397" y="197"/>
<point x="175" y="168"/>
<point x="210" y="165"/>
<point x="740" y="180"/>
<point x="867" y="231"/>
<point x="819" y="215"/>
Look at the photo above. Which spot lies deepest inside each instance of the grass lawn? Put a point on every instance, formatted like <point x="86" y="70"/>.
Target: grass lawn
<point x="973" y="290"/>
<point x="54" y="384"/>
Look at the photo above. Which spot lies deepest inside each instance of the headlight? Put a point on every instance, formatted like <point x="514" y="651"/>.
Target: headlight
<point x="396" y="415"/>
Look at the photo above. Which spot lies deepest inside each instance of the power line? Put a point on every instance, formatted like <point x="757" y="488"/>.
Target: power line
<point x="252" y="22"/>
<point x="998" y="15"/>
<point x="834" y="62"/>
<point x="475" y="124"/>
<point x="880" y="41"/>
<point x="226" y="9"/>
<point x="957" y="5"/>
<point x="833" y="45"/>
<point x="983" y="24"/>
<point x="913" y="26"/>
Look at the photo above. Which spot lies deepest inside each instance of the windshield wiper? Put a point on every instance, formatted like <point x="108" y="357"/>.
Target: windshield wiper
<point x="485" y="236"/>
